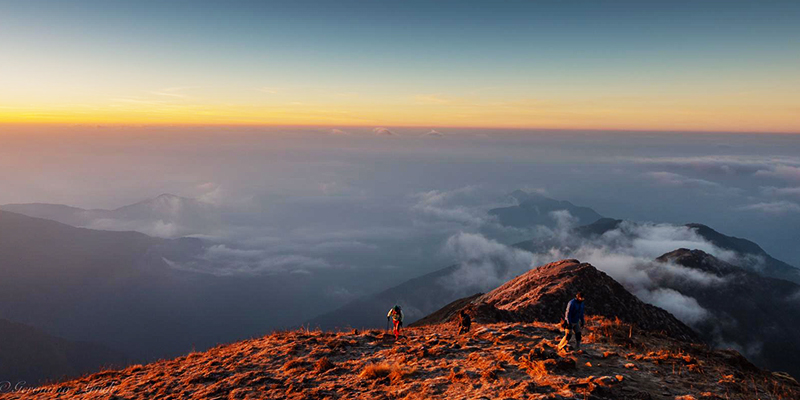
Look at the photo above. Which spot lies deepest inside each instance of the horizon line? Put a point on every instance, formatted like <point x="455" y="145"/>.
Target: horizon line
<point x="416" y="126"/>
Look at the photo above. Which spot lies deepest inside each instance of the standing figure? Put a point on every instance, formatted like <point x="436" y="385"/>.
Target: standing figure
<point x="464" y="322"/>
<point x="574" y="320"/>
<point x="396" y="315"/>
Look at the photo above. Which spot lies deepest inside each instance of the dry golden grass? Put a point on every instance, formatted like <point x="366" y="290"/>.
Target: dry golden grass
<point x="536" y="369"/>
<point x="293" y="364"/>
<point x="323" y="364"/>
<point x="374" y="371"/>
<point x="493" y="361"/>
<point x="399" y="375"/>
<point x="395" y="373"/>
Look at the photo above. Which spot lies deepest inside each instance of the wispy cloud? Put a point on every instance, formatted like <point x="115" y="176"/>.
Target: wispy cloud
<point x="673" y="179"/>
<point x="730" y="165"/>
<point x="383" y="131"/>
<point x="222" y="260"/>
<point x="785" y="172"/>
<point x="434" y="133"/>
<point x="175" y="92"/>
<point x="140" y="101"/>
<point x="780" y="191"/>
<point x="444" y="205"/>
<point x="774" y="207"/>
<point x="336" y="188"/>
<point x="685" y="308"/>
<point x="431" y="99"/>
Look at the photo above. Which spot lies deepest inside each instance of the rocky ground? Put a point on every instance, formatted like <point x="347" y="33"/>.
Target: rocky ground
<point x="494" y="361"/>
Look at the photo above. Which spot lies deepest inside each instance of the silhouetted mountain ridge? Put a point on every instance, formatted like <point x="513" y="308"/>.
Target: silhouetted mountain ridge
<point x="165" y="215"/>
<point x="117" y="289"/>
<point x="749" y="254"/>
<point x="33" y="356"/>
<point x="536" y="209"/>
<point x="755" y="314"/>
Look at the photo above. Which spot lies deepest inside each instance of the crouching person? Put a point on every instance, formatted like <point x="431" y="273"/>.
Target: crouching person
<point x="464" y="322"/>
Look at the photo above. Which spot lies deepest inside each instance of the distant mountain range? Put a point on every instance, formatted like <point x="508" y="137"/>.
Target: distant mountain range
<point x="30" y="355"/>
<point x="749" y="255"/>
<point x="166" y="215"/>
<point x="535" y="209"/>
<point x="117" y="289"/>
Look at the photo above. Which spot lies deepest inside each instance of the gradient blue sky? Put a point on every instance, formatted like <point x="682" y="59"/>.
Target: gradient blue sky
<point x="717" y="65"/>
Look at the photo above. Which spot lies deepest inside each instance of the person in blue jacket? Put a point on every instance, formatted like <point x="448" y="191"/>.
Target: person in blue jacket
<point x="574" y="320"/>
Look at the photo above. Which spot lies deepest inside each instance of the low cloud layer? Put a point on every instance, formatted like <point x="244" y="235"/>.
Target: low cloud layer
<point x="222" y="260"/>
<point x="787" y="172"/>
<point x="627" y="254"/>
<point x="682" y="307"/>
<point x="458" y="205"/>
<point x="484" y="263"/>
<point x="768" y="166"/>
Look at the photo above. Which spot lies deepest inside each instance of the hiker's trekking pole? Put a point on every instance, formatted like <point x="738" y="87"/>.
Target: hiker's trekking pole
<point x="387" y="324"/>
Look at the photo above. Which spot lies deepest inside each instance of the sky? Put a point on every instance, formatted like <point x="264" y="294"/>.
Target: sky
<point x="729" y="66"/>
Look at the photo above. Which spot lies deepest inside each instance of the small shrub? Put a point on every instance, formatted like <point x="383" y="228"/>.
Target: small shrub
<point x="399" y="374"/>
<point x="319" y="352"/>
<point x="323" y="365"/>
<point x="457" y="375"/>
<point x="294" y="348"/>
<point x="375" y="371"/>
<point x="536" y="369"/>
<point x="293" y="364"/>
<point x="381" y="370"/>
<point x="490" y="374"/>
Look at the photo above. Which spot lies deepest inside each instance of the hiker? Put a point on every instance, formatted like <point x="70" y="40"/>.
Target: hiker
<point x="573" y="321"/>
<point x="464" y="322"/>
<point x="396" y="315"/>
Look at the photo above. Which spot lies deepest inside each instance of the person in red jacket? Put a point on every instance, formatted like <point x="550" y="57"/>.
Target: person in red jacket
<point x="396" y="315"/>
